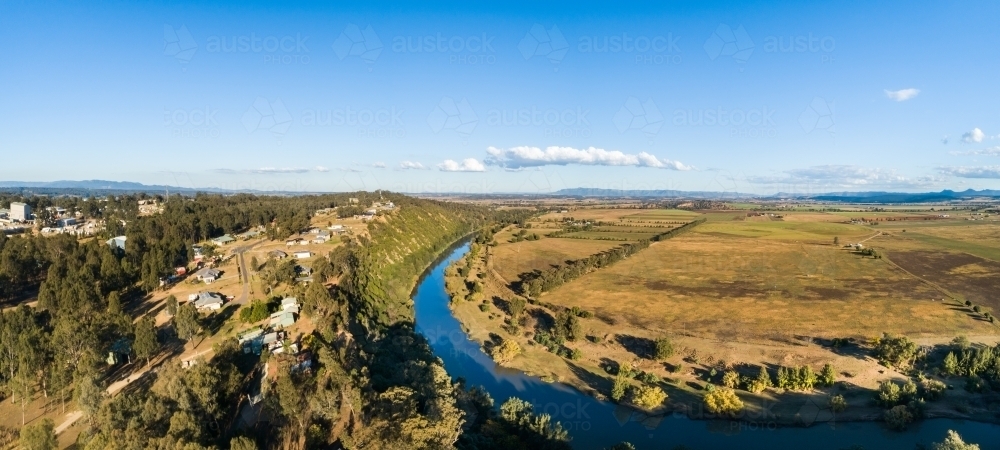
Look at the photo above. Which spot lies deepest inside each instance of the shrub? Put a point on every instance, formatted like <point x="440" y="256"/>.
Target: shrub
<point x="888" y="394"/>
<point x="974" y="384"/>
<point x="648" y="397"/>
<point x="827" y="376"/>
<point x="954" y="442"/>
<point x="950" y="364"/>
<point x="575" y="354"/>
<point x="664" y="348"/>
<point x="763" y="381"/>
<point x="933" y="389"/>
<point x="505" y="351"/>
<point x="898" y="418"/>
<point x="649" y="378"/>
<point x="723" y="402"/>
<point x="837" y="403"/>
<point x="618" y="388"/>
<point x="897" y="352"/>
<point x="484" y="307"/>
<point x="731" y="379"/>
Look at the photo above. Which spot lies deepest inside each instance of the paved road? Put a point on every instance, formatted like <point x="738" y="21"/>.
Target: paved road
<point x="244" y="272"/>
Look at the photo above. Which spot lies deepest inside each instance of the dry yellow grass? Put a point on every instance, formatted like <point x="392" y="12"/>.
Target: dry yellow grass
<point x="731" y="287"/>
<point x="513" y="259"/>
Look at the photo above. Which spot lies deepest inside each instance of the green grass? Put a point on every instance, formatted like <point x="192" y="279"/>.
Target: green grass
<point x="971" y="248"/>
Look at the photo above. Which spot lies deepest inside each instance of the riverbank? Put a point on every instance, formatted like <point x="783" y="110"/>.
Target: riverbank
<point x="697" y="362"/>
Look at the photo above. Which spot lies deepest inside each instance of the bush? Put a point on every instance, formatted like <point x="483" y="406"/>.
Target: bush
<point x="575" y="354"/>
<point x="731" y="379"/>
<point x="933" y="389"/>
<point x="648" y="397"/>
<point x="664" y="348"/>
<point x="763" y="381"/>
<point x="619" y="387"/>
<point x="837" y="403"/>
<point x="484" y="307"/>
<point x="649" y="378"/>
<point x="723" y="402"/>
<point x="888" y="394"/>
<point x="827" y="376"/>
<point x="505" y="351"/>
<point x="898" y="352"/>
<point x="898" y="418"/>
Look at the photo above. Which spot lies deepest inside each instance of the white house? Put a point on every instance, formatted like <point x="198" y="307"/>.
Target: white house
<point x="208" y="301"/>
<point x="302" y="255"/>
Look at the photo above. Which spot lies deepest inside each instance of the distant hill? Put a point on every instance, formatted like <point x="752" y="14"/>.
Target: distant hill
<point x="846" y="197"/>
<point x="654" y="193"/>
<point x="103" y="185"/>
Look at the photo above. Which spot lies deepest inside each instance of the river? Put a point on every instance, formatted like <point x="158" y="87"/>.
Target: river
<point x="596" y="425"/>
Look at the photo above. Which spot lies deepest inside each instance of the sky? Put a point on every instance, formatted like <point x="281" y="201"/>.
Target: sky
<point x="479" y="97"/>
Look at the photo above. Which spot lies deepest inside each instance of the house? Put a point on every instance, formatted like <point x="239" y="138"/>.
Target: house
<point x="63" y="223"/>
<point x="180" y="271"/>
<point x="120" y="351"/>
<point x="209" y="301"/>
<point x="282" y="319"/>
<point x="314" y="231"/>
<point x="117" y="243"/>
<point x="277" y="254"/>
<point x="289" y="301"/>
<point x="223" y="240"/>
<point x="292" y="242"/>
<point x="249" y="235"/>
<point x="208" y="275"/>
<point x="320" y="240"/>
<point x="335" y="227"/>
<point x="303" y="254"/>
<point x="857" y="246"/>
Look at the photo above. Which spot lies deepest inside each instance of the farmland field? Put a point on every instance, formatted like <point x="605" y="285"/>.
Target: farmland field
<point x="766" y="278"/>
<point x="513" y="259"/>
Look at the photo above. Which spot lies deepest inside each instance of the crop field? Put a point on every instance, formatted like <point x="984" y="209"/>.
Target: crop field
<point x="772" y="279"/>
<point x="513" y="259"/>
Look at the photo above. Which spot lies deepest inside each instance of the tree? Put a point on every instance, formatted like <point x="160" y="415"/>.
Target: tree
<point x="950" y="364"/>
<point x="622" y="446"/>
<point x="186" y="321"/>
<point x="254" y="265"/>
<point x="505" y="351"/>
<point x="888" y="393"/>
<point x="620" y="385"/>
<point x="827" y="375"/>
<point x="723" y="402"/>
<point x="664" y="348"/>
<point x="898" y="417"/>
<point x="242" y="443"/>
<point x="785" y="378"/>
<point x="171" y="305"/>
<point x="114" y="303"/>
<point x="895" y="351"/>
<point x="146" y="344"/>
<point x="836" y="240"/>
<point x="731" y="379"/>
<point x="954" y="442"/>
<point x="40" y="436"/>
<point x="838" y="404"/>
<point x="89" y="395"/>
<point x="648" y="397"/>
<point x="763" y="381"/>
<point x="516" y="305"/>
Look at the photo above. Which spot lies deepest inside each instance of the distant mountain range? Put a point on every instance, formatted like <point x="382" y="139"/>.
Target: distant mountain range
<point x="65" y="186"/>
<point x="99" y="185"/>
<point x="846" y="197"/>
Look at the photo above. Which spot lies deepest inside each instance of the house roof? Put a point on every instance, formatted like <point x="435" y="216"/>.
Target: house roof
<point x="117" y="241"/>
<point x="224" y="238"/>
<point x="289" y="301"/>
<point x="208" y="272"/>
<point x="283" y="319"/>
<point x="207" y="298"/>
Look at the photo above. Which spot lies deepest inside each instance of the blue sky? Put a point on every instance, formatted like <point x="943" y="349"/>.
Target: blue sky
<point x="506" y="97"/>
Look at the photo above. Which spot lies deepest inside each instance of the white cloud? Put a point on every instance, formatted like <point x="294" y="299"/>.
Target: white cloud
<point x="322" y="169"/>
<point x="992" y="172"/>
<point x="520" y="157"/>
<point x="847" y="177"/>
<point x="976" y="135"/>
<point x="379" y="165"/>
<point x="992" y="151"/>
<point x="411" y="165"/>
<point x="264" y="170"/>
<point x="467" y="165"/>
<point x="902" y="95"/>
<point x="350" y="169"/>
